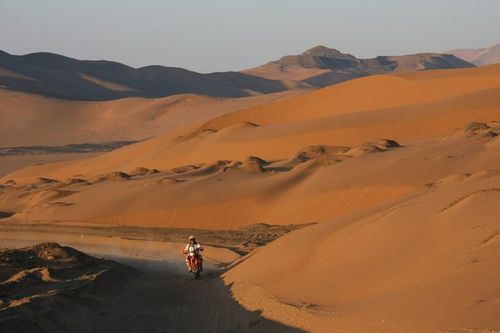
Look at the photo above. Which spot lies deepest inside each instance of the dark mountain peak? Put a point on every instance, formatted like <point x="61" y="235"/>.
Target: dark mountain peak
<point x="320" y="57"/>
<point x="323" y="51"/>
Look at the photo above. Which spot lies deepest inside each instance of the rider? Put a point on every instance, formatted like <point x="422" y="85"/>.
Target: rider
<point x="193" y="247"/>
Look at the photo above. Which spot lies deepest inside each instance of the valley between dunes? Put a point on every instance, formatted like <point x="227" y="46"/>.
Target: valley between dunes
<point x="400" y="174"/>
<point x="31" y="120"/>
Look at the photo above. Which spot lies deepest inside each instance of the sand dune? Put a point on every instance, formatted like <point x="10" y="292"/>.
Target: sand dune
<point x="371" y="93"/>
<point x="403" y="107"/>
<point x="432" y="255"/>
<point x="59" y="122"/>
<point x="314" y="184"/>
<point x="11" y="163"/>
<point x="405" y="231"/>
<point x="399" y="173"/>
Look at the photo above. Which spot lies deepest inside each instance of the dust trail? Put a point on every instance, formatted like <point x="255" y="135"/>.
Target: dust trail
<point x="154" y="256"/>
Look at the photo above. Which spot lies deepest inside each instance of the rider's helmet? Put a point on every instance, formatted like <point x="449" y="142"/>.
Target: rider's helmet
<point x="192" y="238"/>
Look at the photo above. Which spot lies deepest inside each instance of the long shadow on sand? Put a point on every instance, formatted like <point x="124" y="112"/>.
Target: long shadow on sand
<point x="171" y="300"/>
<point x="156" y="296"/>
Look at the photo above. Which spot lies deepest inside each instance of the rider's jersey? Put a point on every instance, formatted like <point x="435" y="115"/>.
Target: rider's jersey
<point x="196" y="248"/>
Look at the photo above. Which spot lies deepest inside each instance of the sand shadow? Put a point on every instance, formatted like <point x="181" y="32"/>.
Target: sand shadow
<point x="158" y="298"/>
<point x="173" y="301"/>
<point x="4" y="215"/>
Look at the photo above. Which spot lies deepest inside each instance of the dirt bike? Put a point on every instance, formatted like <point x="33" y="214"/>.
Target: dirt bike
<point x="195" y="263"/>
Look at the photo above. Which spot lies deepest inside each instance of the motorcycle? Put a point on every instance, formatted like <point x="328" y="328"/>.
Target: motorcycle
<point x="195" y="264"/>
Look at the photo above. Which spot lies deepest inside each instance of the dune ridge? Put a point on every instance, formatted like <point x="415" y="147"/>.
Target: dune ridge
<point x="403" y="107"/>
<point x="444" y="274"/>
<point x="395" y="179"/>
<point x="60" y="122"/>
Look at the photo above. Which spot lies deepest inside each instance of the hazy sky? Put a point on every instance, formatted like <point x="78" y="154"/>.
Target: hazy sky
<point x="218" y="35"/>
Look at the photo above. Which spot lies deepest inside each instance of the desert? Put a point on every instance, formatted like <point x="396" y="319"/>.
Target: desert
<point x="319" y="192"/>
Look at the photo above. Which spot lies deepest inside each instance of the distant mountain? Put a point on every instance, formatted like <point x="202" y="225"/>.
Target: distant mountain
<point x="479" y="57"/>
<point x="322" y="66"/>
<point x="62" y="77"/>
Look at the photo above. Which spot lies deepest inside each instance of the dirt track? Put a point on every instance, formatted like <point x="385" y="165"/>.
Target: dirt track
<point x="163" y="297"/>
<point x="170" y="302"/>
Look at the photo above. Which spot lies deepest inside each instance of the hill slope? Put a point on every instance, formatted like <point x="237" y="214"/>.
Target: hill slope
<point x="29" y="120"/>
<point x="400" y="172"/>
<point x="479" y="57"/>
<point x="62" y="77"/>
<point x="321" y="66"/>
<point x="271" y="152"/>
<point x="432" y="255"/>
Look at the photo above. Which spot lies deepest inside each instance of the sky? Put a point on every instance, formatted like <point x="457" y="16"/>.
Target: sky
<point x="222" y="35"/>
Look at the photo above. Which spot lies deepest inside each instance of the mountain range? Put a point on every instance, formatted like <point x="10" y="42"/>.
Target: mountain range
<point x="63" y="77"/>
<point x="322" y="66"/>
<point x="58" y="76"/>
<point x="479" y="57"/>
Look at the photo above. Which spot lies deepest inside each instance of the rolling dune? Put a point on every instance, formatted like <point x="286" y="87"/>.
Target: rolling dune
<point x="59" y="122"/>
<point x="432" y="256"/>
<point x="398" y="176"/>
<point x="404" y="107"/>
